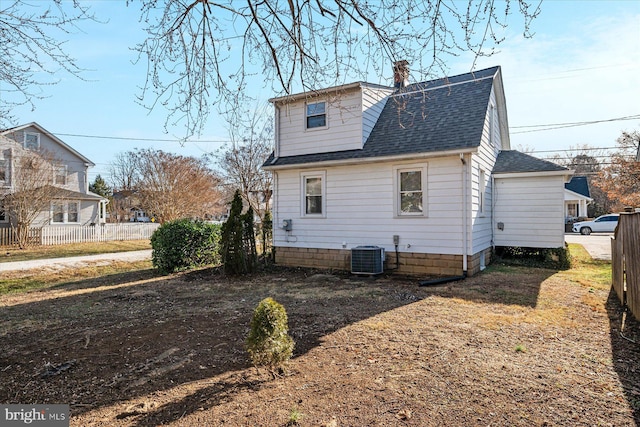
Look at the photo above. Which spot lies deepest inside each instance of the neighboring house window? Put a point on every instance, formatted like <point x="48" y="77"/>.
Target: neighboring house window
<point x="313" y="192"/>
<point x="572" y="210"/>
<point x="65" y="213"/>
<point x="3" y="171"/>
<point x="316" y="115"/>
<point x="72" y="213"/>
<point x="411" y="187"/>
<point x="60" y="177"/>
<point x="58" y="213"/>
<point x="481" y="190"/>
<point x="3" y="213"/>
<point x="31" y="141"/>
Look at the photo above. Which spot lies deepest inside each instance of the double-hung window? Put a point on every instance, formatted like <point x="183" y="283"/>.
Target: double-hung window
<point x="62" y="213"/>
<point x="411" y="191"/>
<point x="313" y="191"/>
<point x="57" y="213"/>
<point x="316" y="115"/>
<point x="3" y="172"/>
<point x="32" y="141"/>
<point x="60" y="175"/>
<point x="3" y="212"/>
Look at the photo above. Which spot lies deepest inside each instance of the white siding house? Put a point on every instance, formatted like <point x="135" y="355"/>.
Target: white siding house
<point x="407" y="169"/>
<point x="72" y="202"/>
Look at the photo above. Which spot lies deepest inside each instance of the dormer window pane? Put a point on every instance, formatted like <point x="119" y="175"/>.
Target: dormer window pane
<point x="316" y="115"/>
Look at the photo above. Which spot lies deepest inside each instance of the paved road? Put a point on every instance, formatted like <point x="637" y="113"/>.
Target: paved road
<point x="78" y="261"/>
<point x="597" y="244"/>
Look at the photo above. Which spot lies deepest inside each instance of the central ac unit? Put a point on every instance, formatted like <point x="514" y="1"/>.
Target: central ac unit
<point x="367" y="260"/>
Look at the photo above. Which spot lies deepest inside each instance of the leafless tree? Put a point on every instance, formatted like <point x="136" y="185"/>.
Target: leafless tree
<point x="201" y="53"/>
<point x="123" y="172"/>
<point x="171" y="186"/>
<point x="32" y="50"/>
<point x="32" y="192"/>
<point x="620" y="179"/>
<point x="587" y="161"/>
<point x="240" y="162"/>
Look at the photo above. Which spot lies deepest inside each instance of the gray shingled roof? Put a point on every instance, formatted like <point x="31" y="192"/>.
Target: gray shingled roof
<point x="511" y="161"/>
<point x="439" y="115"/>
<point x="579" y="184"/>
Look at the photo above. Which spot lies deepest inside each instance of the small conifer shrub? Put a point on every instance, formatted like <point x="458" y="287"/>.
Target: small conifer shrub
<point x="269" y="343"/>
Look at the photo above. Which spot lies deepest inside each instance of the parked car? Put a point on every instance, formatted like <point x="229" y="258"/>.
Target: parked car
<point x="604" y="223"/>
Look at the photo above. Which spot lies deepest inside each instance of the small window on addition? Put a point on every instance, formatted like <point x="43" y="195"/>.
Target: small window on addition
<point x="316" y="115"/>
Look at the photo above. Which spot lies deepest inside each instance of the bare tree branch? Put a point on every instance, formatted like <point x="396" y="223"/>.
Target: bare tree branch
<point x="32" y="49"/>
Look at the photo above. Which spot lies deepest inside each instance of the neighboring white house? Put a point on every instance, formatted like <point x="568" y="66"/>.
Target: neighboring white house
<point x="73" y="202"/>
<point x="410" y="170"/>
<point x="576" y="198"/>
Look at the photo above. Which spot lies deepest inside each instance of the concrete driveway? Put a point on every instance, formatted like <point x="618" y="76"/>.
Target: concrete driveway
<point x="597" y="244"/>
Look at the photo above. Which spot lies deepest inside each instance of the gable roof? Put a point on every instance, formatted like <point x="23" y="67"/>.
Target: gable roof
<point x="579" y="185"/>
<point x="52" y="136"/>
<point x="512" y="161"/>
<point x="442" y="115"/>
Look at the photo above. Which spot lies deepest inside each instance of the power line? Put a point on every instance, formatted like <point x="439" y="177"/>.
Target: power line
<point x="553" y="126"/>
<point x="123" y="138"/>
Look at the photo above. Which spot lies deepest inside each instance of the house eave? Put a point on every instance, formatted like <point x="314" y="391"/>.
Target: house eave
<point x="566" y="173"/>
<point x="315" y="93"/>
<point x="578" y="195"/>
<point x="369" y="160"/>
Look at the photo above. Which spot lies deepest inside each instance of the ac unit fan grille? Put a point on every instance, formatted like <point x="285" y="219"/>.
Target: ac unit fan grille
<point x="367" y="260"/>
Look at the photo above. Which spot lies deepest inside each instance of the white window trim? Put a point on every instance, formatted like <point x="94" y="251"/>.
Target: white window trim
<point x="303" y="193"/>
<point x="4" y="166"/>
<point x="58" y="169"/>
<point x="423" y="168"/>
<point x="65" y="212"/>
<point x="24" y="143"/>
<point x="326" y="115"/>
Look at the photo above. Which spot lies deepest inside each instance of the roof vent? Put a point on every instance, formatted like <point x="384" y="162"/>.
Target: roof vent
<point x="367" y="260"/>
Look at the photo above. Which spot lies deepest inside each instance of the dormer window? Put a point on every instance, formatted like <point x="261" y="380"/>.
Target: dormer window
<point x="31" y="141"/>
<point x="316" y="115"/>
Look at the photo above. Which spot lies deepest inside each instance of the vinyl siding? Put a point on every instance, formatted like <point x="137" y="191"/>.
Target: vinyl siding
<point x="484" y="160"/>
<point x="532" y="211"/>
<point x="373" y="101"/>
<point x="351" y="116"/>
<point x="343" y="130"/>
<point x="360" y="210"/>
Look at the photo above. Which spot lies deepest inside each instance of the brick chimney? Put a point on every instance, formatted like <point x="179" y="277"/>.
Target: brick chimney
<point x="400" y="74"/>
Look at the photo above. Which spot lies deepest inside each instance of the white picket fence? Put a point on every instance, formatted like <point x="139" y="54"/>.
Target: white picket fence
<point x="63" y="234"/>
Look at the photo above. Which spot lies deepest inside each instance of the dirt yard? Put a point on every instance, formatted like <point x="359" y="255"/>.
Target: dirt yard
<point x="513" y="346"/>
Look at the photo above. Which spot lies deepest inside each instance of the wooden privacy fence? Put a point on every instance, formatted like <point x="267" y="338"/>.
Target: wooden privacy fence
<point x="625" y="261"/>
<point x="63" y="234"/>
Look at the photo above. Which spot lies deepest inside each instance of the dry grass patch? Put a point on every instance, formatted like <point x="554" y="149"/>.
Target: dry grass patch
<point x="512" y="346"/>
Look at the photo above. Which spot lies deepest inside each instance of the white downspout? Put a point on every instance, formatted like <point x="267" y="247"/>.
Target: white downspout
<point x="465" y="214"/>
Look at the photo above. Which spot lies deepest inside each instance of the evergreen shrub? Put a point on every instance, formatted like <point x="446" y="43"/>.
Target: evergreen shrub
<point x="184" y="244"/>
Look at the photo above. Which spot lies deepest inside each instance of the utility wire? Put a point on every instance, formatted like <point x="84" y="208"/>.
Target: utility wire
<point x="553" y="126"/>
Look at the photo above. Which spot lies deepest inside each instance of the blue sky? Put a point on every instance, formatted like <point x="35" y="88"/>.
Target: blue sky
<point x="582" y="65"/>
